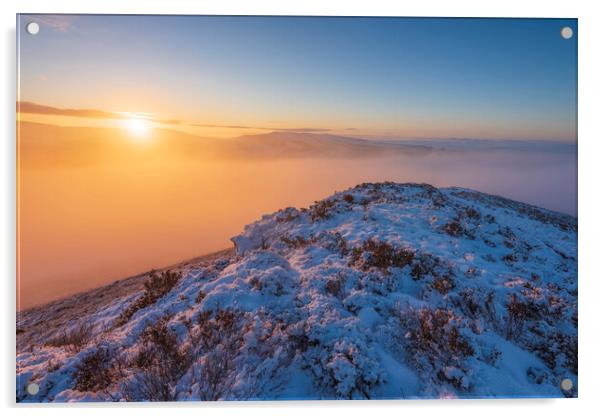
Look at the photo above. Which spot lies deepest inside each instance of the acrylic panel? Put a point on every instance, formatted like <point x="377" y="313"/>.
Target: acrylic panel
<point x="295" y="208"/>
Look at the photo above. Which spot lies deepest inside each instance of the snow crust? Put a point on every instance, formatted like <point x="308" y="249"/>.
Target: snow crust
<point x="381" y="291"/>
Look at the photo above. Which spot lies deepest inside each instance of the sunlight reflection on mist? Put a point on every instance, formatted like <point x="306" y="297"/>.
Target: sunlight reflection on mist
<point x="86" y="225"/>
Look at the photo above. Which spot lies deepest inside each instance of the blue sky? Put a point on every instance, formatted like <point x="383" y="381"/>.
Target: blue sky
<point x="398" y="77"/>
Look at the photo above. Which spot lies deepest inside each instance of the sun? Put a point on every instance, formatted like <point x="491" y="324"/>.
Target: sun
<point x="138" y="127"/>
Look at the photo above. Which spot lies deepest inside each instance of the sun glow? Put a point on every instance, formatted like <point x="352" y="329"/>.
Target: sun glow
<point x="138" y="127"/>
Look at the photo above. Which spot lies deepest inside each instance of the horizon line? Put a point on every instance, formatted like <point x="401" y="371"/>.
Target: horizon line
<point x="30" y="107"/>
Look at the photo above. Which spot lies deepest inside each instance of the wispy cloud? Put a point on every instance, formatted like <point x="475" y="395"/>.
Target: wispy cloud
<point x="304" y="130"/>
<point x="226" y="126"/>
<point x="28" y="107"/>
<point x="33" y="108"/>
<point x="55" y="22"/>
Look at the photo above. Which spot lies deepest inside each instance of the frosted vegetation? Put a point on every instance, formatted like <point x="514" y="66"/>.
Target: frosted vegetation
<point x="380" y="291"/>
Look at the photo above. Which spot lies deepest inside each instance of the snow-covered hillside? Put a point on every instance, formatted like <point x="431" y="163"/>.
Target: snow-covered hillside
<point x="381" y="291"/>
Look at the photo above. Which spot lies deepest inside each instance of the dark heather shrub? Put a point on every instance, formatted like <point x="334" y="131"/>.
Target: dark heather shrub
<point x="425" y="265"/>
<point x="556" y="349"/>
<point x="507" y="233"/>
<point x="298" y="338"/>
<point x="75" y="339"/>
<point x="334" y="285"/>
<point x="479" y="304"/>
<point x="530" y="315"/>
<point x="435" y="345"/>
<point x="348" y="198"/>
<point x="295" y="242"/>
<point x="157" y="286"/>
<point x="443" y="284"/>
<point x="219" y="344"/>
<point x="515" y="319"/>
<point x="333" y="241"/>
<point x="509" y="258"/>
<point x="162" y="363"/>
<point x="151" y="385"/>
<point x="217" y="369"/>
<point x="436" y="332"/>
<point x="322" y="209"/>
<point x="225" y="326"/>
<point x="287" y="215"/>
<point x="200" y="296"/>
<point x="472" y="213"/>
<point x="471" y="301"/>
<point x="94" y="372"/>
<point x="381" y="255"/>
<point x="160" y="347"/>
<point x="53" y="365"/>
<point x="453" y="228"/>
<point x="256" y="283"/>
<point x="521" y="309"/>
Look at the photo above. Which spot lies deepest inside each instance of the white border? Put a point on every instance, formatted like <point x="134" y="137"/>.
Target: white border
<point x="590" y="201"/>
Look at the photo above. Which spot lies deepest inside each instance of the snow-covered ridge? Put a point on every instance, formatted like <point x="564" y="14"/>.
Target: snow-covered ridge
<point x="381" y="291"/>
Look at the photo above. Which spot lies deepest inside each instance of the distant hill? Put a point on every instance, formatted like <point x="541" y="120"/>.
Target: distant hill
<point x="42" y="144"/>
<point x="287" y="144"/>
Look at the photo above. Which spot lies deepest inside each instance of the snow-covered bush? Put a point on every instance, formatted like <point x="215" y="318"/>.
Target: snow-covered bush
<point x="160" y="362"/>
<point x="344" y="369"/>
<point x="95" y="370"/>
<point x="436" y="345"/>
<point x="73" y="339"/>
<point x="425" y="264"/>
<point x="157" y="286"/>
<point x="322" y="210"/>
<point x="380" y="255"/>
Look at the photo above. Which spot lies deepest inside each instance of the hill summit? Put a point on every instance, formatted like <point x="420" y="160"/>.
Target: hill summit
<point x="382" y="291"/>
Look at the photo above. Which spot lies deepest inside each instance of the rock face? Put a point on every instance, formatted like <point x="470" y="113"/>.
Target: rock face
<point x="381" y="291"/>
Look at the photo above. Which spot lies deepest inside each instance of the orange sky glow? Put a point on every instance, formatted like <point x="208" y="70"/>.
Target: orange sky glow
<point x="120" y="125"/>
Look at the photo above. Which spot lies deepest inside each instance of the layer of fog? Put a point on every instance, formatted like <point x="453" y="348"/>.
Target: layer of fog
<point x="86" y="225"/>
